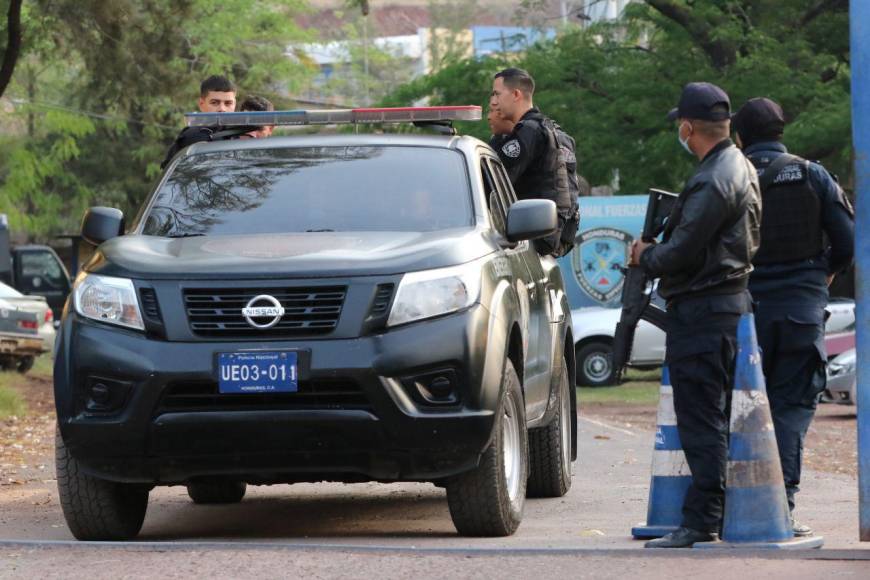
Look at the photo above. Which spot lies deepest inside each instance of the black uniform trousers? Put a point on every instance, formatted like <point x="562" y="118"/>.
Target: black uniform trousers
<point x="701" y="350"/>
<point x="792" y="340"/>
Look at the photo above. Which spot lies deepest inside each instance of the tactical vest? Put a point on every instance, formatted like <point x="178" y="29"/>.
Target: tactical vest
<point x="548" y="176"/>
<point x="791" y="224"/>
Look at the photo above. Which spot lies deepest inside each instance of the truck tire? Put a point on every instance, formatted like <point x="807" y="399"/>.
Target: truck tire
<point x="221" y="491"/>
<point x="550" y="448"/>
<point x="489" y="499"/>
<point x="97" y="509"/>
<point x="595" y="364"/>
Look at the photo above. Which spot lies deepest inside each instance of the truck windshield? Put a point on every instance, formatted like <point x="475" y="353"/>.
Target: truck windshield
<point x="312" y="189"/>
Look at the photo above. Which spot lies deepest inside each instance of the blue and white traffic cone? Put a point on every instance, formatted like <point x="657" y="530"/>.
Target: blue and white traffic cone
<point x="756" y="508"/>
<point x="670" y="472"/>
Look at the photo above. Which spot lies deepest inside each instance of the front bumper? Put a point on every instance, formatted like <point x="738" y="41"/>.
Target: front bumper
<point x="361" y="417"/>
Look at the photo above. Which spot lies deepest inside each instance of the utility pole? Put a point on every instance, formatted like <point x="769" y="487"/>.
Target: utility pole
<point x="859" y="23"/>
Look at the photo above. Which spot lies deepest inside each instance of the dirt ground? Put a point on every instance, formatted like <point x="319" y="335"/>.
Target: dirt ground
<point x="27" y="443"/>
<point x="404" y="530"/>
<point x="830" y="447"/>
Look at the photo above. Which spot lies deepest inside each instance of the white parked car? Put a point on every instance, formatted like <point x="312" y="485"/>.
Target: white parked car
<point x="594" y="328"/>
<point x="13" y="299"/>
<point x="593" y="343"/>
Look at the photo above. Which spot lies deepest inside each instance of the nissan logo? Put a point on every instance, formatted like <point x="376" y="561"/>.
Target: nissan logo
<point x="273" y="311"/>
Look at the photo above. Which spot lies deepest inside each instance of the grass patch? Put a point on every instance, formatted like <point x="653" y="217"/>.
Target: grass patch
<point x="639" y="388"/>
<point x="11" y="403"/>
<point x="44" y="366"/>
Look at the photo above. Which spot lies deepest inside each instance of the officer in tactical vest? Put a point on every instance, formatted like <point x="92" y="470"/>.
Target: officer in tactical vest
<point x="703" y="263"/>
<point x="807" y="237"/>
<point x="537" y="163"/>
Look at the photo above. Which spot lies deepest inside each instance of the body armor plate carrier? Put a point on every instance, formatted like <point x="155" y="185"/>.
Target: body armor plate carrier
<point x="791" y="225"/>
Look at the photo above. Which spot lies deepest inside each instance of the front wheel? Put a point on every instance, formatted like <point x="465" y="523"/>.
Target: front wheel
<point x="97" y="509"/>
<point x="550" y="448"/>
<point x="595" y="364"/>
<point x="489" y="500"/>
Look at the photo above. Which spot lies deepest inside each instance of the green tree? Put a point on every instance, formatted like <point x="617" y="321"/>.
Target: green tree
<point x="12" y="29"/>
<point x="611" y="84"/>
<point x="125" y="71"/>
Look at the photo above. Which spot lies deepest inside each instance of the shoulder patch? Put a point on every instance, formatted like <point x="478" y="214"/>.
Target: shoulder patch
<point x="512" y="148"/>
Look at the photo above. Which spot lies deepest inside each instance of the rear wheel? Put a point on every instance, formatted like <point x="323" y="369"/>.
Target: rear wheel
<point x="208" y="492"/>
<point x="25" y="364"/>
<point x="595" y="364"/>
<point x="489" y="500"/>
<point x="550" y="448"/>
<point x="97" y="509"/>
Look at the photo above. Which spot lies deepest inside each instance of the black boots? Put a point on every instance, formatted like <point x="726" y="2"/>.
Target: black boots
<point x="681" y="538"/>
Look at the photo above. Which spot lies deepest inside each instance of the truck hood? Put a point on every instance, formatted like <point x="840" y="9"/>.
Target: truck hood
<point x="294" y="255"/>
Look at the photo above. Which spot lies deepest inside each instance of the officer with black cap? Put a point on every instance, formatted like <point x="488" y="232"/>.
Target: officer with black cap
<point x="807" y="237"/>
<point x="703" y="263"/>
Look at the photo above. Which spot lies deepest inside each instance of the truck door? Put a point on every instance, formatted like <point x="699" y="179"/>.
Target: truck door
<point x="39" y="272"/>
<point x="539" y="357"/>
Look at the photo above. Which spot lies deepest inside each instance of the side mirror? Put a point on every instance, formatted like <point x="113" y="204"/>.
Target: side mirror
<point x="530" y="219"/>
<point x="101" y="224"/>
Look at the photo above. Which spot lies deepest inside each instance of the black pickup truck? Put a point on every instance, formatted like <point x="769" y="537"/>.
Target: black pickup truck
<point x="318" y="308"/>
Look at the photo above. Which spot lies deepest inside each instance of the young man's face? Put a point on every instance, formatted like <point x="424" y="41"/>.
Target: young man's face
<point x="502" y="99"/>
<point x="218" y="102"/>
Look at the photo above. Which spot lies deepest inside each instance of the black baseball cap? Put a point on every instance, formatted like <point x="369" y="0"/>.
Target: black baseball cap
<point x="700" y="101"/>
<point x="759" y="118"/>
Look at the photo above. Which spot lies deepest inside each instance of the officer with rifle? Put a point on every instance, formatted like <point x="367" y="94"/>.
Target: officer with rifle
<point x="637" y="287"/>
<point x="704" y="262"/>
<point x="807" y="237"/>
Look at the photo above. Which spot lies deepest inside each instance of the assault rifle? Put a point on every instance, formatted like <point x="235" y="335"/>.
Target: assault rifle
<point x="637" y="287"/>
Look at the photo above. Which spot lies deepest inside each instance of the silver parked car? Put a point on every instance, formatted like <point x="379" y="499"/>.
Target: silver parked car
<point x="842" y="378"/>
<point x="11" y="298"/>
<point x="594" y="328"/>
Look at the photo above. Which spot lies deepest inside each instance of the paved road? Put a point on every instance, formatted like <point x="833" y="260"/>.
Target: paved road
<point x="391" y="529"/>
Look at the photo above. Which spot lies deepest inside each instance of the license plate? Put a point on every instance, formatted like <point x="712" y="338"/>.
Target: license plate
<point x="258" y="372"/>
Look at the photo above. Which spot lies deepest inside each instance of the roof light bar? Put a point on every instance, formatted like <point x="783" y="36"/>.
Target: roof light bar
<point x="335" y="116"/>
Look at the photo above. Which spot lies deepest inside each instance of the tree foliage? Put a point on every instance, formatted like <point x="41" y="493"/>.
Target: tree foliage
<point x="12" y="28"/>
<point x="120" y="74"/>
<point x="610" y="85"/>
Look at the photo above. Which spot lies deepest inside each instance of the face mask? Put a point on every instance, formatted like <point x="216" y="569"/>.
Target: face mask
<point x="685" y="143"/>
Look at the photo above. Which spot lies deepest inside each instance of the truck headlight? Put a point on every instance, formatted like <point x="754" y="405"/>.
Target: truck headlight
<point x="107" y="299"/>
<point x="435" y="292"/>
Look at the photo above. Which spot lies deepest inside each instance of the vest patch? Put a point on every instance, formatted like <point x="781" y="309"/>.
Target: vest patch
<point x="790" y="174"/>
<point x="512" y="148"/>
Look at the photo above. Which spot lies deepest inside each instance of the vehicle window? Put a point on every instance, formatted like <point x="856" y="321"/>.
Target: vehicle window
<point x="310" y="189"/>
<point x="504" y="184"/>
<point x="493" y="202"/>
<point x="9" y="292"/>
<point x="41" y="265"/>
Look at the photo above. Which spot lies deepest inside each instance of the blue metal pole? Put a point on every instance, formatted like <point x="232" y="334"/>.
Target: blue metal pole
<point x="859" y="22"/>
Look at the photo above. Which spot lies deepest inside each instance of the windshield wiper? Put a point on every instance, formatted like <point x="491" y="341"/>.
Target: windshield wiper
<point x="185" y="236"/>
<point x="321" y="230"/>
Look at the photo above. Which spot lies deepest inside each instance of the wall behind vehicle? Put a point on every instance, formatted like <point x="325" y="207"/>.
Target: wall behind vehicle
<point x="591" y="270"/>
